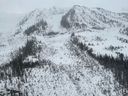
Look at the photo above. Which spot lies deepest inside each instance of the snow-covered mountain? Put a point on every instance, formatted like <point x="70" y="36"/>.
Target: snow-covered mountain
<point x="97" y="18"/>
<point x="43" y="58"/>
<point x="99" y="23"/>
<point x="50" y="17"/>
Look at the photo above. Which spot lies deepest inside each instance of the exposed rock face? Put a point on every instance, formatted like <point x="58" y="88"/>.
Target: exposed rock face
<point x="98" y="18"/>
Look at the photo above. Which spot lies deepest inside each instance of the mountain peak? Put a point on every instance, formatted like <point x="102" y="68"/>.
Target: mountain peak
<point x="79" y="8"/>
<point x="45" y="59"/>
<point x="76" y="6"/>
<point x="81" y="17"/>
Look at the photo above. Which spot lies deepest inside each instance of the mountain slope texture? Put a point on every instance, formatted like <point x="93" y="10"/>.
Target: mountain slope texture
<point x="53" y="53"/>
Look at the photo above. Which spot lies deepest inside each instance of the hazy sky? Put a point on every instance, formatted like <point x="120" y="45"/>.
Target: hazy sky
<point x="21" y="6"/>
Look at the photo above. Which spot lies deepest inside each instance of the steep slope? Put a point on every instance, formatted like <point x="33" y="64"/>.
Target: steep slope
<point x="100" y="29"/>
<point x="67" y="71"/>
<point x="45" y="20"/>
<point x="121" y="17"/>
<point x="55" y="65"/>
<point x="37" y="22"/>
<point x="30" y="20"/>
<point x="8" y="23"/>
<point x="84" y="18"/>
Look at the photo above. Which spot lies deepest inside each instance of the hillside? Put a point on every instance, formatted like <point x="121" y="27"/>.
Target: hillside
<point x="46" y="56"/>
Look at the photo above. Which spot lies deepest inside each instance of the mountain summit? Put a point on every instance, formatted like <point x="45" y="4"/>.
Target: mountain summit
<point x="86" y="18"/>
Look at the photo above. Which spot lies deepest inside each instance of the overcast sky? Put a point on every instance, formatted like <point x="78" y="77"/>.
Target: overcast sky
<point x="23" y="6"/>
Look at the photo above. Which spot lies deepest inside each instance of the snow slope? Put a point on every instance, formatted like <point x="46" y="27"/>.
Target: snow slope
<point x="81" y="17"/>
<point x="108" y="41"/>
<point x="64" y="69"/>
<point x="102" y="30"/>
<point x="66" y="74"/>
<point x="8" y="23"/>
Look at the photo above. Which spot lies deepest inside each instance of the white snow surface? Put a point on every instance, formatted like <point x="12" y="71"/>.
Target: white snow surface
<point x="100" y="41"/>
<point x="68" y="71"/>
<point x="68" y="74"/>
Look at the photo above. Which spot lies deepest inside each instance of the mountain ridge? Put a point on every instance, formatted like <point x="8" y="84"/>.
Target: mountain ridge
<point x="48" y="54"/>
